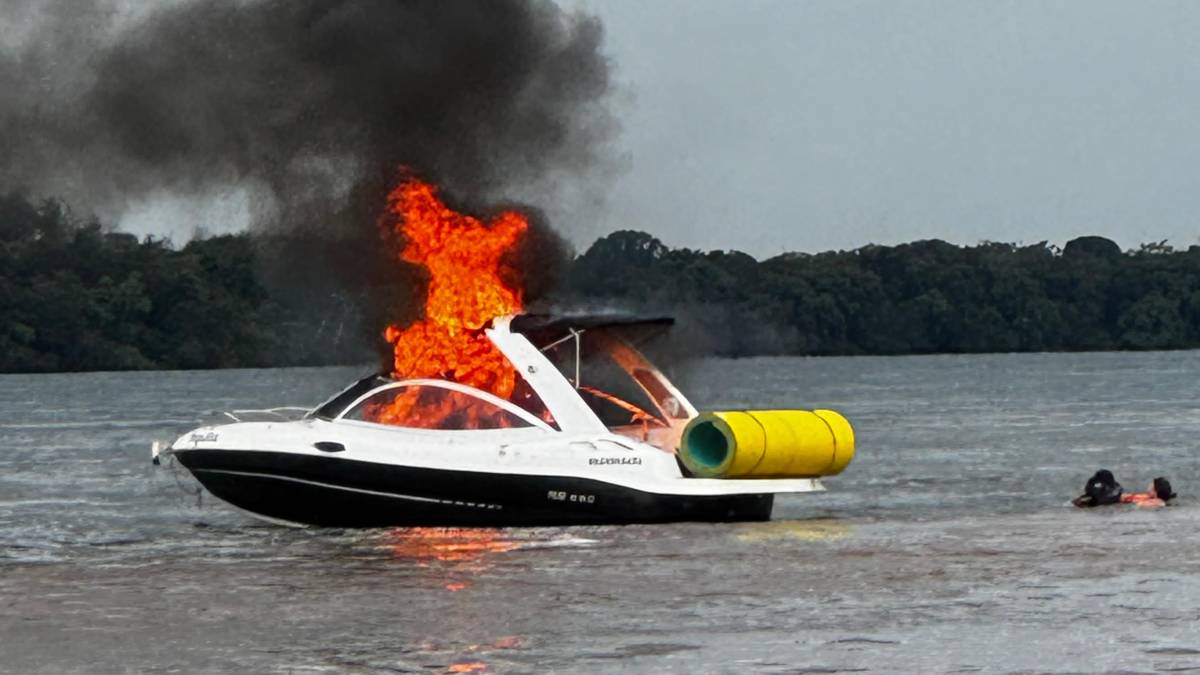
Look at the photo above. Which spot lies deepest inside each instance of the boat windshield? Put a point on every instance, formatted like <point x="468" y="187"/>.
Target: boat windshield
<point x="418" y="406"/>
<point x="430" y="404"/>
<point x="436" y="405"/>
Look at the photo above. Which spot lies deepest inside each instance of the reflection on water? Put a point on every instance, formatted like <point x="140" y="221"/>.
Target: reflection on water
<point x="817" y="529"/>
<point x="466" y="550"/>
<point x="448" y="544"/>
<point x="473" y="665"/>
<point x="470" y="657"/>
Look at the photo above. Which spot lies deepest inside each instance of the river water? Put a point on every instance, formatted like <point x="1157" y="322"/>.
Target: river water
<point x="947" y="546"/>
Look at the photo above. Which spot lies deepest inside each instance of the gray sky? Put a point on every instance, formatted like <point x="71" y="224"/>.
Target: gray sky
<point x="780" y="125"/>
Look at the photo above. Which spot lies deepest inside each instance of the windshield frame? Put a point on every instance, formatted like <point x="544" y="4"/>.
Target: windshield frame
<point x="507" y="406"/>
<point x="329" y="410"/>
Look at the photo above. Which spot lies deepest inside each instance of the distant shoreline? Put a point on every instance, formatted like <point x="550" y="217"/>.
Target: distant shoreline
<point x="80" y="297"/>
<point x="365" y="368"/>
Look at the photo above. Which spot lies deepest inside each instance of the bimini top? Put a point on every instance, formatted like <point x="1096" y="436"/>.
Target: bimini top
<point x="540" y="327"/>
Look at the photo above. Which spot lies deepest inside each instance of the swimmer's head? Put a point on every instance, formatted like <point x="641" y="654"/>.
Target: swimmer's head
<point x="1102" y="488"/>
<point x="1161" y="487"/>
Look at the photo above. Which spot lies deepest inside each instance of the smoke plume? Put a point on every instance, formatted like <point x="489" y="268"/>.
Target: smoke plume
<point x="306" y="108"/>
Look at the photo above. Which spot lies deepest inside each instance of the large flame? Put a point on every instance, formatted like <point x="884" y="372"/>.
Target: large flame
<point x="465" y="260"/>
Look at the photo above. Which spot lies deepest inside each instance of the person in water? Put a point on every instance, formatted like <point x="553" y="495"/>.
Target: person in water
<point x="1102" y="489"/>
<point x="1157" y="496"/>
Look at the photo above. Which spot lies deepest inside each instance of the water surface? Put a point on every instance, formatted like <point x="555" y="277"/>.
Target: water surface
<point x="948" y="546"/>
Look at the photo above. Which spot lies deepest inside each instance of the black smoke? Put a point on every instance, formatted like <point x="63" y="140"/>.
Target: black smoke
<point x="312" y="107"/>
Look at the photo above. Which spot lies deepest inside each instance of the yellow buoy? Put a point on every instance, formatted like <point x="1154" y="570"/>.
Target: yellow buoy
<point x="767" y="443"/>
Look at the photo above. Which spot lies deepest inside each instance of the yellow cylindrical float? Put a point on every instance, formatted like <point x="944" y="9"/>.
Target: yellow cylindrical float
<point x="767" y="444"/>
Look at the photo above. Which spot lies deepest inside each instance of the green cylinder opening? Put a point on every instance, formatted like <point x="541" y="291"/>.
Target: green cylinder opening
<point x="707" y="446"/>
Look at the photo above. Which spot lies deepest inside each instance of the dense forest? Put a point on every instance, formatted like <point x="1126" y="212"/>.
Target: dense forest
<point x="918" y="298"/>
<point x="76" y="295"/>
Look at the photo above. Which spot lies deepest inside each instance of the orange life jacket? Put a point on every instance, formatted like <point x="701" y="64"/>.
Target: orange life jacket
<point x="1140" y="498"/>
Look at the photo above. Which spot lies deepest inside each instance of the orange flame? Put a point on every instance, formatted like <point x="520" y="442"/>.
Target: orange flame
<point x="464" y="258"/>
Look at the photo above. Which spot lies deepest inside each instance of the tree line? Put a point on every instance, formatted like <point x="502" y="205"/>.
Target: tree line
<point x="917" y="298"/>
<point x="76" y="295"/>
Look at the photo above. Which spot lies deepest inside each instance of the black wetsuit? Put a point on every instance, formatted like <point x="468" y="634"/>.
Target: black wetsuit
<point x="1102" y="488"/>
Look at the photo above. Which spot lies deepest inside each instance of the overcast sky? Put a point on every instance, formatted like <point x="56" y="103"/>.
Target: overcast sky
<point x="781" y="125"/>
<point x="770" y="126"/>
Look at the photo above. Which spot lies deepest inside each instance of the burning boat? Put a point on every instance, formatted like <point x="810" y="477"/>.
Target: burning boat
<point x="490" y="416"/>
<point x="562" y="450"/>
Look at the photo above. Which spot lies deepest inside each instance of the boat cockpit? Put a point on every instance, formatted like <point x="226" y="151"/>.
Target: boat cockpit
<point x="572" y="374"/>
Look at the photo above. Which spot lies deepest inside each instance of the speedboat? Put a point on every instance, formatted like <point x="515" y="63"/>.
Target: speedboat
<point x="592" y="434"/>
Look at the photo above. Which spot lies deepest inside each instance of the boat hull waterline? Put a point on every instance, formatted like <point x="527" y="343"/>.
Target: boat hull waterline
<point x="336" y="492"/>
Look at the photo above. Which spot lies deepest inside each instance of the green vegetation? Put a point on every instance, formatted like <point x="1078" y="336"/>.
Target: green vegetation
<point x="923" y="297"/>
<point x="77" y="296"/>
<point x="74" y="296"/>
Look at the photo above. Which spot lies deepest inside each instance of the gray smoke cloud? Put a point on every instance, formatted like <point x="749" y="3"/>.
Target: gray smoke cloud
<point x="305" y="104"/>
<point x="301" y="113"/>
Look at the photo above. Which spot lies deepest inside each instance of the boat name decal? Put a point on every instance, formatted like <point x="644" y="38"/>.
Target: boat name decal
<point x="601" y="461"/>
<point x="562" y="496"/>
<point x="206" y="437"/>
